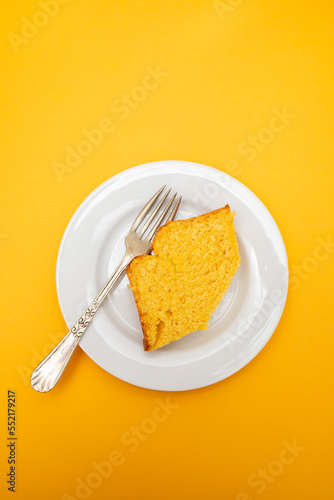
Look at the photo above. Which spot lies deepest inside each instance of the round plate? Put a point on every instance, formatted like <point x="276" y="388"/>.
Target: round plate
<point x="93" y="245"/>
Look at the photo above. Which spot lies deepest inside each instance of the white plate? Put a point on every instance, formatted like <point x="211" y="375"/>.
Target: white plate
<point x="243" y="322"/>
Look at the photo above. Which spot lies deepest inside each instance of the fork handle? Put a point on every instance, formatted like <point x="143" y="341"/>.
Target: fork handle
<point x="48" y="372"/>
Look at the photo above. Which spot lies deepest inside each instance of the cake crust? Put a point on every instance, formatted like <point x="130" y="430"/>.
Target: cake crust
<point x="136" y="297"/>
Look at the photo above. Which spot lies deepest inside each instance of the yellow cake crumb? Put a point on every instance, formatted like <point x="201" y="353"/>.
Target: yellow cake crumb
<point x="178" y="289"/>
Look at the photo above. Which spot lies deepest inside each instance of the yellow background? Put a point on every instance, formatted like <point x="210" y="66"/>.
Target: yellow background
<point x="229" y="65"/>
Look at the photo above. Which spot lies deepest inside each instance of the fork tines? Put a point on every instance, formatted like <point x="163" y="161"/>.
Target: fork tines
<point x="168" y="213"/>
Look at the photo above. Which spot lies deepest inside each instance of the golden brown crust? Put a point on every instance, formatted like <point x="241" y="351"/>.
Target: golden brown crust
<point x="136" y="296"/>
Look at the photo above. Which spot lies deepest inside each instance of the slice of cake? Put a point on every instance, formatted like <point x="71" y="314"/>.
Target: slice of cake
<point x="178" y="289"/>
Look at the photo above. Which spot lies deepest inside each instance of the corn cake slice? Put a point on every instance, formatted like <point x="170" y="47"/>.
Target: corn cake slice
<point x="179" y="287"/>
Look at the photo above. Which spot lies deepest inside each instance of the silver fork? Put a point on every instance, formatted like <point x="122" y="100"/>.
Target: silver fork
<point x="48" y="372"/>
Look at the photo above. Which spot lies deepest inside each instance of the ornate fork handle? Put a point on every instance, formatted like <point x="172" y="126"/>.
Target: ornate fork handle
<point x="48" y="372"/>
<point x="80" y="326"/>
